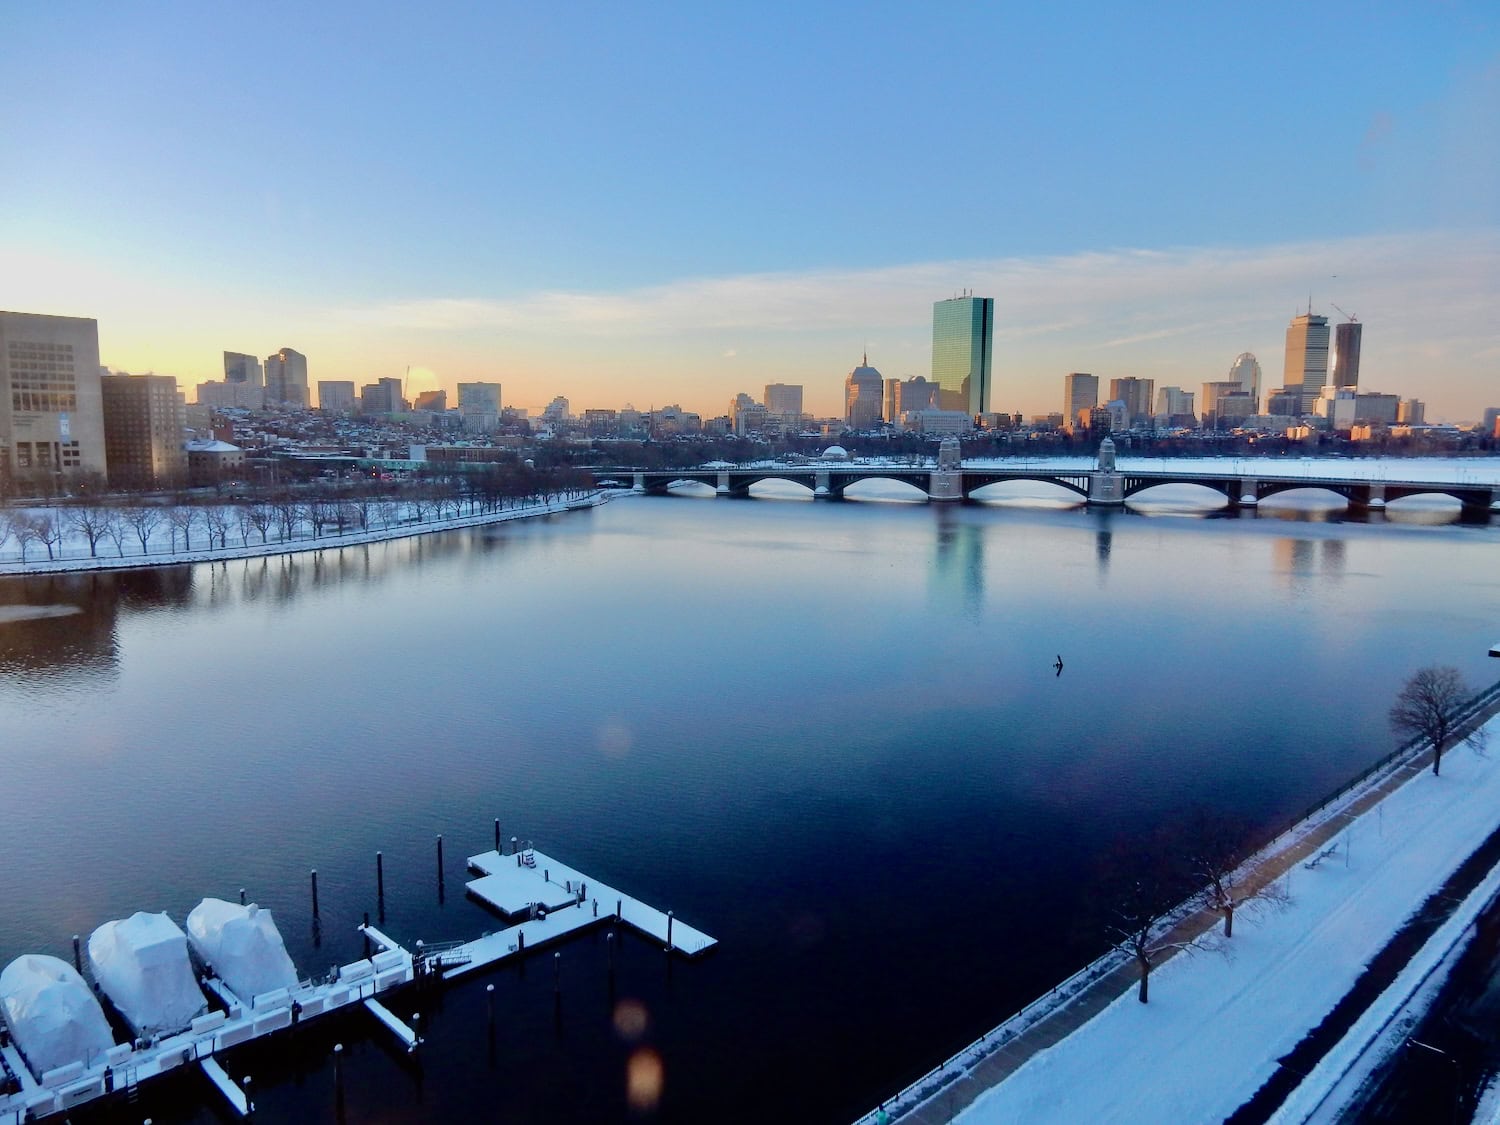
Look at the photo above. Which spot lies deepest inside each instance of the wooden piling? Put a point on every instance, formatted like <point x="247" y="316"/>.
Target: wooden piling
<point x="315" y="892"/>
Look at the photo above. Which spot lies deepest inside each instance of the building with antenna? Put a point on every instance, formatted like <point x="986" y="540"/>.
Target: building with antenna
<point x="963" y="340"/>
<point x="1306" y="365"/>
<point x="864" y="390"/>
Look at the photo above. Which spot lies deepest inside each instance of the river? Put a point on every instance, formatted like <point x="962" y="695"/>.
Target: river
<point x="831" y="735"/>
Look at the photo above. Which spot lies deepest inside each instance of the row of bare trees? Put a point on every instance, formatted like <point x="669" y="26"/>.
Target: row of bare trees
<point x="286" y="516"/>
<point x="1150" y="888"/>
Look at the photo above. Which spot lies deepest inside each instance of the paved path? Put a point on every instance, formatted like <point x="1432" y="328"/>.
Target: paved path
<point x="1004" y="1060"/>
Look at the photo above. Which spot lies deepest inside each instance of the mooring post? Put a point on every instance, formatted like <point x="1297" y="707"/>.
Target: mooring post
<point x="77" y="956"/>
<point x="546" y="875"/>
<point x="242" y="896"/>
<point x="315" y="894"/>
<point x="609" y="944"/>
<point x="520" y="941"/>
<point x="515" y="851"/>
<point x="489" y="1003"/>
<point x="557" y="972"/>
<point x="619" y="909"/>
<point x="379" y="875"/>
<point x="497" y="837"/>
<point x="338" y="1072"/>
<point x="596" y="908"/>
<point x="440" y="856"/>
<point x="669" y="931"/>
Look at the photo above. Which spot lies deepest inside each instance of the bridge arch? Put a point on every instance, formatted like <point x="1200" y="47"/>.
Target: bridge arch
<point x="883" y="488"/>
<point x="1187" y="496"/>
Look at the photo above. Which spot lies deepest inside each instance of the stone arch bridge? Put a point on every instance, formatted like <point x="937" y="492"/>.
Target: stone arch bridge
<point x="1093" y="486"/>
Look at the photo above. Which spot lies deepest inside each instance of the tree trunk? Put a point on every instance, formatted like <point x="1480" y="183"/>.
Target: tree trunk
<point x="1229" y="920"/>
<point x="1142" y="994"/>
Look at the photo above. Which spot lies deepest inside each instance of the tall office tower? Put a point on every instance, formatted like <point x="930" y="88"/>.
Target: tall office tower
<point x="889" y="410"/>
<point x="1174" y="405"/>
<point x="915" y="393"/>
<point x="382" y="397"/>
<point x="1136" y="394"/>
<point x="963" y="338"/>
<point x="1245" y="370"/>
<point x="286" y="378"/>
<point x="241" y="368"/>
<point x="1225" y="404"/>
<point x="336" y="396"/>
<point x="783" y="398"/>
<point x="51" y="412"/>
<point x="479" y="406"/>
<point x="1306" y="369"/>
<point x="1346" y="340"/>
<point x="1412" y="412"/>
<point x="864" y="390"/>
<point x="435" y="402"/>
<point x="143" y="430"/>
<point x="1080" y="393"/>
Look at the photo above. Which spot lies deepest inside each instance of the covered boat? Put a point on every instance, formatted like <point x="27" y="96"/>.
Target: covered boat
<point x="142" y="964"/>
<point x="242" y="945"/>
<point x="53" y="1017"/>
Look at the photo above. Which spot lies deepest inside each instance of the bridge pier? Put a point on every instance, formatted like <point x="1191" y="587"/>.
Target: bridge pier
<point x="1106" y="489"/>
<point x="723" y="488"/>
<point x="1248" y="488"/>
<point x="945" y="486"/>
<point x="638" y="482"/>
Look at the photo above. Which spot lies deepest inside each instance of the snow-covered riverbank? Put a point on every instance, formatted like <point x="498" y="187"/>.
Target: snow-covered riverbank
<point x="397" y="520"/>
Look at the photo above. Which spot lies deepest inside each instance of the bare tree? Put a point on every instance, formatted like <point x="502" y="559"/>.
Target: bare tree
<point x="23" y="527"/>
<point x="92" y="523"/>
<point x="48" y="531"/>
<point x="243" y="523"/>
<point x="116" y="530"/>
<point x="7" y="526"/>
<point x="261" y="517"/>
<point x="1427" y="708"/>
<point x="1217" y="847"/>
<point x="183" y="518"/>
<point x="143" y="521"/>
<point x="216" y="520"/>
<point x="288" y="516"/>
<point x="1149" y="889"/>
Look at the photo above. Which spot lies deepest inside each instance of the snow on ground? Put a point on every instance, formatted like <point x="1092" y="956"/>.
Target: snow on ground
<point x="394" y="520"/>
<point x="1215" y="1025"/>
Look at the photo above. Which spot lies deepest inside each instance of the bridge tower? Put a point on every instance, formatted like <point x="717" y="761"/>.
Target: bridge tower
<point x="946" y="482"/>
<point x="1106" y="485"/>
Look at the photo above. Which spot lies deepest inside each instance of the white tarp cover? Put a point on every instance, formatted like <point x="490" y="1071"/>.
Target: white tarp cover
<point x="243" y="946"/>
<point x="142" y="965"/>
<point x="53" y="1016"/>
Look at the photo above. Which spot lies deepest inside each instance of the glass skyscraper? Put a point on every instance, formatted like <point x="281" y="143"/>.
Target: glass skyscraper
<point x="963" y="337"/>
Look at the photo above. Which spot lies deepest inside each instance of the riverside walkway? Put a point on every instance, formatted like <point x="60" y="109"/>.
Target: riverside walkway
<point x="950" y="1088"/>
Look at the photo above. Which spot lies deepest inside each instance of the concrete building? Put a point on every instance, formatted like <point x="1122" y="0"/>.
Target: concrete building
<point x="963" y="340"/>
<point x="286" y="379"/>
<point x="1174" y="407"/>
<point x="1225" y="404"/>
<point x="479" y="406"/>
<point x="783" y="398"/>
<point x="1306" y="364"/>
<point x="51" y="410"/>
<point x="336" y="396"/>
<point x="382" y="397"/>
<point x="1412" y="412"/>
<point x="143" y="430"/>
<point x="245" y="374"/>
<point x="230" y="396"/>
<point x="937" y="422"/>
<point x="435" y="402"/>
<point x="1080" y="393"/>
<point x="864" y="391"/>
<point x="1136" y="394"/>
<point x="1245" y="370"/>
<point x="1346" y="341"/>
<point x="213" y="461"/>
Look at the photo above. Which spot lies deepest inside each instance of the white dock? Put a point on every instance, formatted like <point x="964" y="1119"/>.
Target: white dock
<point x="571" y="901"/>
<point x="227" y="1086"/>
<point x="237" y="1021"/>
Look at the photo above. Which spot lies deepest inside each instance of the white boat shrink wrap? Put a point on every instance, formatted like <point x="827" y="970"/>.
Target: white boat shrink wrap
<point x="53" y="1017"/>
<point x="142" y="964"/>
<point x="242" y="945"/>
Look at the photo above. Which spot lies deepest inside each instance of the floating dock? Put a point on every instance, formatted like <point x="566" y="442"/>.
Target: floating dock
<point x="237" y="1021"/>
<point x="555" y="900"/>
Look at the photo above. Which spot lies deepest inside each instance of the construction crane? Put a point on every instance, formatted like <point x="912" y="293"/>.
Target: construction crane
<point x="1352" y="318"/>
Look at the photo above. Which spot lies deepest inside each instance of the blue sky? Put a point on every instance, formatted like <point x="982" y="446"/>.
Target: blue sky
<point x="634" y="202"/>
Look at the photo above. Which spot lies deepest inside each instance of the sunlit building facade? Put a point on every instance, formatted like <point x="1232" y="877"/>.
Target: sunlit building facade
<point x="1347" y="338"/>
<point x="963" y="340"/>
<point x="1080" y="393"/>
<point x="864" y="390"/>
<point x="143" y="430"/>
<point x="51" y="410"/>
<point x="286" y="379"/>
<point x="1306" y="368"/>
<point x="1245" y="370"/>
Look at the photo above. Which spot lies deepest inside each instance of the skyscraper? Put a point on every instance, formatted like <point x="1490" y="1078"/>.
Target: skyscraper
<point x="286" y="378"/>
<point x="963" y="338"/>
<point x="241" y="368"/>
<point x="51" y="410"/>
<point x="143" y="430"/>
<point x="1346" y="341"/>
<point x="1245" y="370"/>
<point x="863" y="391"/>
<point x="1306" y="369"/>
<point x="1080" y="393"/>
<point x="1136" y="394"/>
<point x="783" y="398"/>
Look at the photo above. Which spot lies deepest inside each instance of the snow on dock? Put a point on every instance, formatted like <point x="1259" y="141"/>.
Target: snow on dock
<point x="557" y="900"/>
<point x="227" y="1086"/>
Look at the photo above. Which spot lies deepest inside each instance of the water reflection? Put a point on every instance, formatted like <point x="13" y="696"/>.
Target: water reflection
<point x="956" y="578"/>
<point x="1300" y="561"/>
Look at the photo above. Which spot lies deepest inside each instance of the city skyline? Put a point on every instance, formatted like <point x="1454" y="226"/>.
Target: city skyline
<point x="700" y="236"/>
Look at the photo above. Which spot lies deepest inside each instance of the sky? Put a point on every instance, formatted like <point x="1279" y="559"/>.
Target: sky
<point x="671" y="203"/>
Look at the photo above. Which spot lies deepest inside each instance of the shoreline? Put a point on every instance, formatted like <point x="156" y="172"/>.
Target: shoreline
<point x="89" y="564"/>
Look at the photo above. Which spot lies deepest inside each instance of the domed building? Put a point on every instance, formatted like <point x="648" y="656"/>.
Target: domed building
<point x="1245" y="370"/>
<point x="835" y="453"/>
<point x="864" y="391"/>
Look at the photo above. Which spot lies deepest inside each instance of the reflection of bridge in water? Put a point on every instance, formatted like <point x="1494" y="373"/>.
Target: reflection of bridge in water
<point x="1092" y="486"/>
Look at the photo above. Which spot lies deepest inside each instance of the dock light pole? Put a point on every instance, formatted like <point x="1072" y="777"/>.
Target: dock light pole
<point x="338" y="1074"/>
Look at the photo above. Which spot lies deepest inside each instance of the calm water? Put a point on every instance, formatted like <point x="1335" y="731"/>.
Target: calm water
<point x="828" y="734"/>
